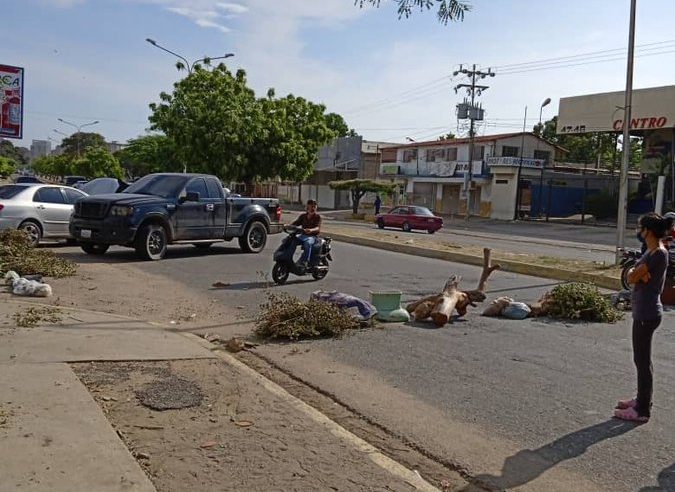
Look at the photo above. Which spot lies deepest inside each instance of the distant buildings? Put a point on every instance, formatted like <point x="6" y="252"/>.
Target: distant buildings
<point x="40" y="148"/>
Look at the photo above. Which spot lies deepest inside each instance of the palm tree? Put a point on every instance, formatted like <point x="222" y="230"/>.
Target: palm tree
<point x="448" y="10"/>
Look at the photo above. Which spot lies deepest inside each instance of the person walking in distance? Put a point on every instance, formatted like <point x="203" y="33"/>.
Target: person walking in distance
<point x="310" y="221"/>
<point x="378" y="204"/>
<point x="648" y="278"/>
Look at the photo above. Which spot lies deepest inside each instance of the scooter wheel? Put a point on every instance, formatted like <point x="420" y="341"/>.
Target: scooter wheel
<point x="280" y="273"/>
<point x="624" y="275"/>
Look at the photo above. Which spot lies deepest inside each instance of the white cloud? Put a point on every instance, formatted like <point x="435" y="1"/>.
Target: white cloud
<point x="233" y="8"/>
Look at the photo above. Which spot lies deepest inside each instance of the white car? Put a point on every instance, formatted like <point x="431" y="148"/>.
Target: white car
<point x="42" y="210"/>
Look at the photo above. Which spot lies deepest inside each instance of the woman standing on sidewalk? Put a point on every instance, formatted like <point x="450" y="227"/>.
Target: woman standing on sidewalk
<point x="648" y="277"/>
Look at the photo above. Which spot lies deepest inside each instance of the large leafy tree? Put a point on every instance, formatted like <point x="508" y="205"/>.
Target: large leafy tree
<point x="98" y="163"/>
<point x="149" y="154"/>
<point x="52" y="165"/>
<point x="7" y="149"/>
<point x="339" y="126"/>
<point x="359" y="187"/>
<point x="7" y="166"/>
<point x="218" y="126"/>
<point x="447" y="10"/>
<point x="79" y="142"/>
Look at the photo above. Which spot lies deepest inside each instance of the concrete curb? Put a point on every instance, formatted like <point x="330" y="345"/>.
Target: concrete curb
<point x="507" y="265"/>
<point x="389" y="465"/>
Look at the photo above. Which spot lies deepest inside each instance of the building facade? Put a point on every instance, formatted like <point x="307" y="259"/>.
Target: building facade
<point x="40" y="148"/>
<point x="432" y="174"/>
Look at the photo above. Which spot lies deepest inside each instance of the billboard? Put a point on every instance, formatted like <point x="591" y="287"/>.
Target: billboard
<point x="11" y="101"/>
<point x="653" y="108"/>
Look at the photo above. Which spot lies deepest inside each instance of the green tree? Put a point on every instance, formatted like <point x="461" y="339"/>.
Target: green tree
<point x="7" y="149"/>
<point x="448" y="10"/>
<point x="447" y="136"/>
<point x="359" y="187"/>
<point x="149" y="154"/>
<point x="52" y="165"/>
<point x="98" y="163"/>
<point x="78" y="143"/>
<point x="291" y="131"/>
<point x="339" y="126"/>
<point x="218" y="126"/>
<point x="7" y="166"/>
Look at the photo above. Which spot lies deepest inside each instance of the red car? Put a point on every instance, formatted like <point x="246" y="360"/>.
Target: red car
<point x="410" y="217"/>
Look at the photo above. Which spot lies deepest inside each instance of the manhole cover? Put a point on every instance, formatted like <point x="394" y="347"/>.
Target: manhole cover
<point x="170" y="393"/>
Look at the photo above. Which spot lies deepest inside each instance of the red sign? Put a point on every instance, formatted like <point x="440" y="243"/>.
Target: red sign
<point x="642" y="123"/>
<point x="11" y="101"/>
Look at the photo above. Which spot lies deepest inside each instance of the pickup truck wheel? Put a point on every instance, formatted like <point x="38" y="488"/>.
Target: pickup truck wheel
<point x="94" y="248"/>
<point x="254" y="238"/>
<point x="151" y="242"/>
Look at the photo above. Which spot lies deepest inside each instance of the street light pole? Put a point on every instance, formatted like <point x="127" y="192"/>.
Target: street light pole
<point x="520" y="167"/>
<point x="188" y="66"/>
<point x="79" y="130"/>
<point x="546" y="102"/>
<point x="623" y="177"/>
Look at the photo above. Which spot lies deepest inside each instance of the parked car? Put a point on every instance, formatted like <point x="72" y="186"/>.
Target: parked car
<point x="27" y="179"/>
<point x="103" y="186"/>
<point x="71" y="180"/>
<point x="410" y="217"/>
<point x="162" y="209"/>
<point x="42" y="210"/>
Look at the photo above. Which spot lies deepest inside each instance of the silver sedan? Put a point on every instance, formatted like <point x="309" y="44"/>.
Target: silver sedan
<point x="42" y="210"/>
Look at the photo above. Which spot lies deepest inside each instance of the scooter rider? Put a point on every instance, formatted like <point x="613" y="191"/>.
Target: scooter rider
<point x="310" y="221"/>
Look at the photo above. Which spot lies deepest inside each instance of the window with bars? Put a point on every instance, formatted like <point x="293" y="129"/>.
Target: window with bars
<point x="509" y="151"/>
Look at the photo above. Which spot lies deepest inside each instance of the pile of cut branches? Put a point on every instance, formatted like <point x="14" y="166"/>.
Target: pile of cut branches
<point x="286" y="316"/>
<point x="579" y="301"/>
<point x="34" y="316"/>
<point x="18" y="255"/>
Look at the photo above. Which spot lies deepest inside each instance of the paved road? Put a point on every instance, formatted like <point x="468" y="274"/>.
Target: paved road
<point x="520" y="404"/>
<point x="553" y="240"/>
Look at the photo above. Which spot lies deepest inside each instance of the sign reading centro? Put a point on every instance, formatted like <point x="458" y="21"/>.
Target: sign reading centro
<point x="642" y="123"/>
<point x="652" y="108"/>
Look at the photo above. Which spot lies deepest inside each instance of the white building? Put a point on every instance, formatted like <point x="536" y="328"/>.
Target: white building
<point x="40" y="148"/>
<point x="432" y="173"/>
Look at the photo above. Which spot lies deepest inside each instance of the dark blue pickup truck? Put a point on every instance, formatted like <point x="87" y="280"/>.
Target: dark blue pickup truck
<point x="162" y="209"/>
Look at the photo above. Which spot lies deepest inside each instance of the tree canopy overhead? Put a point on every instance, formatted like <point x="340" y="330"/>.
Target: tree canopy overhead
<point x="219" y="126"/>
<point x="447" y="10"/>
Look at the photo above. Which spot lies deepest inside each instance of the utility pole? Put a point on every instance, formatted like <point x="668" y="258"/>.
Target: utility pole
<point x="623" y="176"/>
<point x="469" y="110"/>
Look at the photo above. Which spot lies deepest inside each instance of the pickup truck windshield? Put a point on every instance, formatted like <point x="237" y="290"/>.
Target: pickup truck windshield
<point x="158" y="185"/>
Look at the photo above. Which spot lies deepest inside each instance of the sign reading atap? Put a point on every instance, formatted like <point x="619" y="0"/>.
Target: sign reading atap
<point x="652" y="109"/>
<point x="11" y="101"/>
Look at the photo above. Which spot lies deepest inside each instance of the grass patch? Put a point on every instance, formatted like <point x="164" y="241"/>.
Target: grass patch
<point x="287" y="317"/>
<point x="33" y="316"/>
<point x="18" y="255"/>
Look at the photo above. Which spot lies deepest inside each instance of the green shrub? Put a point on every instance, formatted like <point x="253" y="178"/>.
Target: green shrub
<point x="581" y="301"/>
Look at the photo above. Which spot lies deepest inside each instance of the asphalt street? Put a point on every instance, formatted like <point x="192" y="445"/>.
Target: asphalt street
<point x="517" y="403"/>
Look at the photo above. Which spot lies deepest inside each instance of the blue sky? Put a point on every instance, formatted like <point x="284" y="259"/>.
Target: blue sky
<point x="88" y="60"/>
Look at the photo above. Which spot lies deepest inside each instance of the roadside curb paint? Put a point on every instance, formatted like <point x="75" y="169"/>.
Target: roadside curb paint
<point x="507" y="265"/>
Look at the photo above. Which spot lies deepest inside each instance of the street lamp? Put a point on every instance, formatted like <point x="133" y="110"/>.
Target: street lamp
<point x="417" y="154"/>
<point x="188" y="66"/>
<point x="79" y="130"/>
<point x="546" y="102"/>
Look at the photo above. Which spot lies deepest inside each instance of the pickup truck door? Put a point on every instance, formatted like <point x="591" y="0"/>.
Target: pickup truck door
<point x="194" y="218"/>
<point x="219" y="213"/>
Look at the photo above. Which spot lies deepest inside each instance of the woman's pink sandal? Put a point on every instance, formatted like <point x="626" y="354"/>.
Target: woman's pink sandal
<point x="623" y="404"/>
<point x="630" y="414"/>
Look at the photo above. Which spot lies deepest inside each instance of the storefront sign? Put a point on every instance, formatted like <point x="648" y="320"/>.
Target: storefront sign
<point x="652" y="109"/>
<point x="11" y="101"/>
<point x="515" y="162"/>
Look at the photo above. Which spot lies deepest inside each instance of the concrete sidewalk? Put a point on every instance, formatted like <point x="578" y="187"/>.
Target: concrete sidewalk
<point x="55" y="436"/>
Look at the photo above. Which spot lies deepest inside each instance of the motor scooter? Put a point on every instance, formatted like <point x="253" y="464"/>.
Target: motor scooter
<point x="283" y="257"/>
